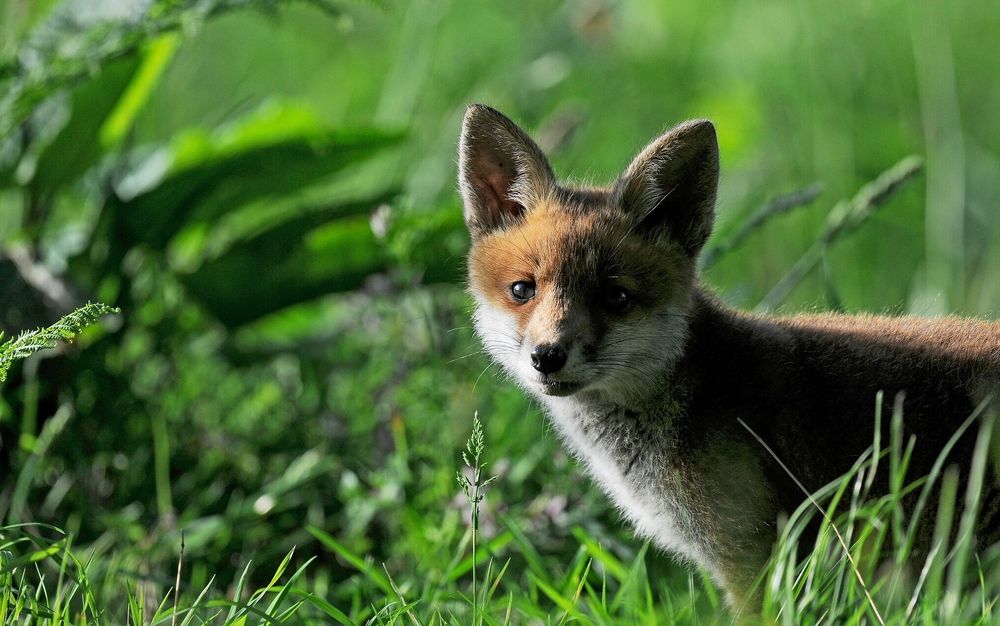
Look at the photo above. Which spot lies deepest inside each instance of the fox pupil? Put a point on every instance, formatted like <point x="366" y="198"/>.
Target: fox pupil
<point x="617" y="299"/>
<point x="522" y="290"/>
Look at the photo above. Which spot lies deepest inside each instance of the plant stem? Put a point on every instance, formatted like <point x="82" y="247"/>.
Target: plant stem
<point x="845" y="217"/>
<point x="475" y="555"/>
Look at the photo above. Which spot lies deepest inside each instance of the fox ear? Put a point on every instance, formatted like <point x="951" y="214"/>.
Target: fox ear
<point x="670" y="188"/>
<point x="501" y="171"/>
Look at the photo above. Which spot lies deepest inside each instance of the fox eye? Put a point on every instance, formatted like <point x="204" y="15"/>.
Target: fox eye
<point x="523" y="290"/>
<point x="617" y="299"/>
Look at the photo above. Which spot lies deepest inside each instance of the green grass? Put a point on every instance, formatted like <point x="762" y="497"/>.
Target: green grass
<point x="865" y="566"/>
<point x="861" y="569"/>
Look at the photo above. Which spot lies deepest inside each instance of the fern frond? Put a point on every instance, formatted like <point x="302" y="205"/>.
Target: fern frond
<point x="65" y="329"/>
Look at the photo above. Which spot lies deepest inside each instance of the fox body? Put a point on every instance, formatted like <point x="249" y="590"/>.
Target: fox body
<point x="589" y="299"/>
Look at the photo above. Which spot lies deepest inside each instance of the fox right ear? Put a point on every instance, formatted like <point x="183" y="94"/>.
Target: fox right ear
<point x="669" y="189"/>
<point x="501" y="171"/>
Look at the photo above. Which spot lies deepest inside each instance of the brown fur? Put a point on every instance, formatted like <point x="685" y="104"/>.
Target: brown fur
<point x="537" y="250"/>
<point x="651" y="396"/>
<point x="807" y="385"/>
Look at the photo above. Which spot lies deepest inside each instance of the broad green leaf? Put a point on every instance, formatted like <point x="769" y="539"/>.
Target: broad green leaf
<point x="157" y="55"/>
<point x="297" y="261"/>
<point x="77" y="147"/>
<point x="272" y="153"/>
<point x="103" y="109"/>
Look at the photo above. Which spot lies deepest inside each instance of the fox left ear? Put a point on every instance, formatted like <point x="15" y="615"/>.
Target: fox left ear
<point x="501" y="171"/>
<point x="670" y="187"/>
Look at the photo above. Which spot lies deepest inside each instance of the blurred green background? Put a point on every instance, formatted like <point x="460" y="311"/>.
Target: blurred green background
<point x="267" y="190"/>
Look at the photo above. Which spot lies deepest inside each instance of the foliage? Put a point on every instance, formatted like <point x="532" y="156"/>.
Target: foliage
<point x="814" y="585"/>
<point x="866" y="564"/>
<point x="268" y="196"/>
<point x="80" y="36"/>
<point x="474" y="488"/>
<point x="29" y="342"/>
<point x="28" y="595"/>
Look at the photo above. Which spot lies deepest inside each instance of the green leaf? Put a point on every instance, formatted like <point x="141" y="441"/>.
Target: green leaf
<point x="611" y="564"/>
<point x="493" y="546"/>
<point x="297" y="261"/>
<point x="275" y="152"/>
<point x="433" y="243"/>
<point x="360" y="564"/>
<point x="157" y="55"/>
<point x="327" y="608"/>
<point x="32" y="557"/>
<point x="566" y="604"/>
<point x="77" y="147"/>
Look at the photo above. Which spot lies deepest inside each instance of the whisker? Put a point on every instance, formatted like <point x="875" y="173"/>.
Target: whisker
<point x="476" y="384"/>
<point x="465" y="356"/>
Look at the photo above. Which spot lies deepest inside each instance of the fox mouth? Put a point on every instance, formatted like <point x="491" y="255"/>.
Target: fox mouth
<point x="553" y="387"/>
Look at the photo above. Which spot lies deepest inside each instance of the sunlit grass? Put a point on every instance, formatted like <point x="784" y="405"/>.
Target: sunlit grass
<point x="865" y="565"/>
<point x="869" y="562"/>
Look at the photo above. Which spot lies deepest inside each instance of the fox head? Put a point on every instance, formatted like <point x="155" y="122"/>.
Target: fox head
<point x="584" y="290"/>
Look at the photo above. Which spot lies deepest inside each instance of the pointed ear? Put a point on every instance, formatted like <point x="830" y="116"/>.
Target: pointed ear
<point x="501" y="171"/>
<point x="669" y="189"/>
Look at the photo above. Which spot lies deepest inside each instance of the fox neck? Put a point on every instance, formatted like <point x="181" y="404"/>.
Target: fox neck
<point x="629" y="446"/>
<point x="627" y="433"/>
<point x="637" y="447"/>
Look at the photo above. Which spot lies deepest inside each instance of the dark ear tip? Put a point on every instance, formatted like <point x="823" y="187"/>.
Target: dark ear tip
<point x="480" y="112"/>
<point x="700" y="130"/>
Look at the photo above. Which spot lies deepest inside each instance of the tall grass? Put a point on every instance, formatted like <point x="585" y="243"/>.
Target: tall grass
<point x="863" y="566"/>
<point x="474" y="485"/>
<point x="867" y="563"/>
<point x="43" y="582"/>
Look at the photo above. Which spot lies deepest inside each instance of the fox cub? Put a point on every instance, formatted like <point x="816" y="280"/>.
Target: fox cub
<point x="589" y="299"/>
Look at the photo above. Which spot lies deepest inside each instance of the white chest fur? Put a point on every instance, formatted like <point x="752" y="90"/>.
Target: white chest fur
<point x="628" y="454"/>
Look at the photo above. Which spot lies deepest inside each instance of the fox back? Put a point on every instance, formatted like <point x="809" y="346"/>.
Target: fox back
<point x="589" y="299"/>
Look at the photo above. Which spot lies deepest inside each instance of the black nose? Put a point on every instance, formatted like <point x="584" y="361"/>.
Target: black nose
<point x="548" y="358"/>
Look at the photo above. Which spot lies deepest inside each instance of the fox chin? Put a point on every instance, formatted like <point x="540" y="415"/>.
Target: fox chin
<point x="589" y="299"/>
